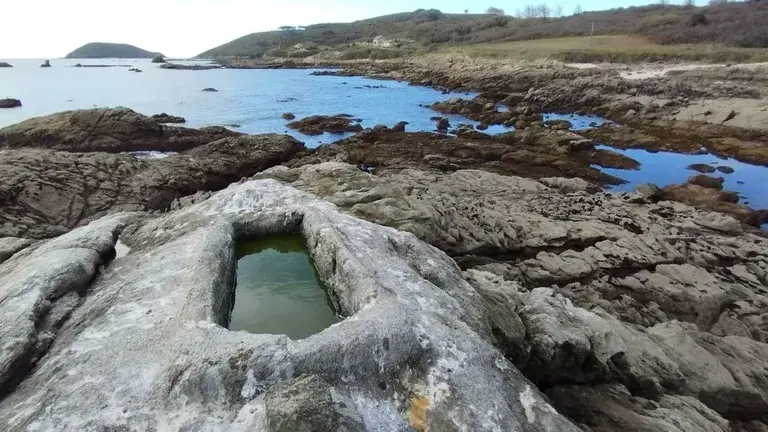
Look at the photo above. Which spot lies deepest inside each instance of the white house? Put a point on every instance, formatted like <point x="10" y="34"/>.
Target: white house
<point x="382" y="42"/>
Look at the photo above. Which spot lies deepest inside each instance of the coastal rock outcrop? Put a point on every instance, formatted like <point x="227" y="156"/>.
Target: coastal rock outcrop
<point x="44" y="193"/>
<point x="533" y="154"/>
<point x="317" y="125"/>
<point x="167" y="118"/>
<point x="110" y="130"/>
<point x="10" y="103"/>
<point x="145" y="343"/>
<point x="658" y="304"/>
<point x="5" y="65"/>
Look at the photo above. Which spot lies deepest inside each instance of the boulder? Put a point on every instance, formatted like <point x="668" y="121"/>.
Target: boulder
<point x="46" y="64"/>
<point x="5" y="65"/>
<point x="110" y="130"/>
<point x="210" y="89"/>
<point x="146" y="345"/>
<point x="443" y="124"/>
<point x="399" y="127"/>
<point x="317" y="125"/>
<point x="707" y="181"/>
<point x="10" y="103"/>
<point x="167" y="118"/>
<point x="702" y="168"/>
<point x="288" y="116"/>
<point x="725" y="169"/>
<point x="158" y="59"/>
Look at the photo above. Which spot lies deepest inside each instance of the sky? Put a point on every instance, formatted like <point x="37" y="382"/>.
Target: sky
<point x="185" y="28"/>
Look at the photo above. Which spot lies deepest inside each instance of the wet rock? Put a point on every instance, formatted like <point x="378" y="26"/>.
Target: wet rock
<point x="317" y="125"/>
<point x="399" y="127"/>
<point x="709" y="199"/>
<point x="702" y="168"/>
<point x="379" y="128"/>
<point x="443" y="124"/>
<point x="418" y="329"/>
<point x="10" y="103"/>
<point x="558" y="124"/>
<point x="5" y="65"/>
<point x="46" y="64"/>
<point x="209" y="89"/>
<point x="167" y="118"/>
<point x="134" y="70"/>
<point x="288" y="116"/>
<point x="725" y="169"/>
<point x="106" y="130"/>
<point x="158" y="59"/>
<point x="533" y="154"/>
<point x="707" y="181"/>
<point x="47" y="193"/>
<point x="482" y="127"/>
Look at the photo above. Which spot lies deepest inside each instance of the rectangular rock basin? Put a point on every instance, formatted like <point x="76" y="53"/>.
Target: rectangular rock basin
<point x="278" y="290"/>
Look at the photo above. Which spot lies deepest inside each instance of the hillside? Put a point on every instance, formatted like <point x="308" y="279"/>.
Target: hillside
<point x="731" y="24"/>
<point x="109" y="50"/>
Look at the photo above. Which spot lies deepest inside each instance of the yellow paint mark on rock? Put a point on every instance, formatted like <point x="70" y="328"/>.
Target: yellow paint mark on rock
<point x="417" y="415"/>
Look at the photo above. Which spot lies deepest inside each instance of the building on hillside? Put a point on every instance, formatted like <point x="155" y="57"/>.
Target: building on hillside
<point x="381" y="42"/>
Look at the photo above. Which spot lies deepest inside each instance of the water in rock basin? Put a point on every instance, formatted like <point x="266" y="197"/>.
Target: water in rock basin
<point x="278" y="290"/>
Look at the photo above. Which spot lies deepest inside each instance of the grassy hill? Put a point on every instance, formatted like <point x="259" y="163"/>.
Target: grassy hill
<point x="731" y="24"/>
<point x="109" y="50"/>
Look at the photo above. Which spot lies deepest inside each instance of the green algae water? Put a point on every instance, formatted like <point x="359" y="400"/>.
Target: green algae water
<point x="278" y="289"/>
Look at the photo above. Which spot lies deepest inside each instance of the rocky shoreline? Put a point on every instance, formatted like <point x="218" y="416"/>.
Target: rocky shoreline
<point x="486" y="282"/>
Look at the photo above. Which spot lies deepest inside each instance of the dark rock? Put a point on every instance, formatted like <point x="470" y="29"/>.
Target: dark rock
<point x="78" y="65"/>
<point x="9" y="103"/>
<point x="176" y="66"/>
<point x="443" y="124"/>
<point x="111" y="130"/>
<point x="134" y="70"/>
<point x="558" y="124"/>
<point x="288" y="116"/>
<point x="482" y="127"/>
<point x="725" y="169"/>
<point x="46" y="64"/>
<point x="379" y="128"/>
<point x="158" y="59"/>
<point x="209" y="89"/>
<point x="49" y="192"/>
<point x="5" y="65"/>
<point x="167" y="118"/>
<point x="316" y="125"/>
<point x="707" y="182"/>
<point x="702" y="168"/>
<point x="399" y="127"/>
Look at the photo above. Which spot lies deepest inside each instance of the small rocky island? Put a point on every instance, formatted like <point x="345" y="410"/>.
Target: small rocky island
<point x="110" y="50"/>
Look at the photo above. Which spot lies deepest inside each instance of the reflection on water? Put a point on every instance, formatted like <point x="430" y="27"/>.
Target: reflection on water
<point x="278" y="290"/>
<point x="665" y="168"/>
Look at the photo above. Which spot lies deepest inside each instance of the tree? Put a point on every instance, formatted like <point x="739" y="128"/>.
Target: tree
<point x="559" y="10"/>
<point x="543" y="10"/>
<point x="494" y="11"/>
<point x="529" y="11"/>
<point x="578" y="10"/>
<point x="466" y="11"/>
<point x="689" y="3"/>
<point x="663" y="2"/>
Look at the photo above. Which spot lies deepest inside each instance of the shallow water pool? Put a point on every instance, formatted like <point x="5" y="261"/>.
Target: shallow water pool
<point x="278" y="290"/>
<point x="665" y="168"/>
